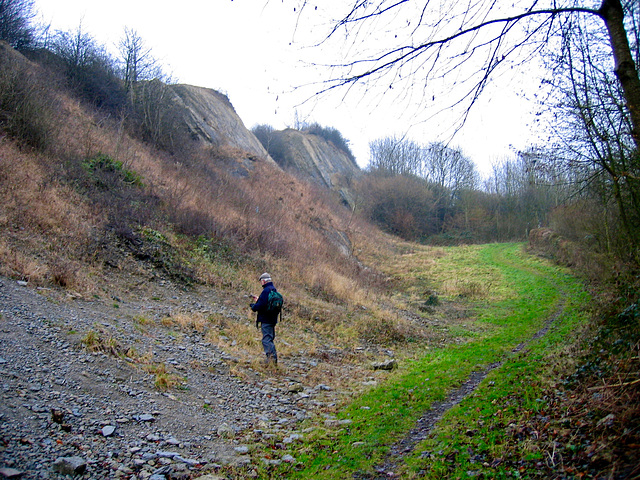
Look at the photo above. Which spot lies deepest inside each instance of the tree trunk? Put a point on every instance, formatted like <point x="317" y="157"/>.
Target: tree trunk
<point x="613" y="15"/>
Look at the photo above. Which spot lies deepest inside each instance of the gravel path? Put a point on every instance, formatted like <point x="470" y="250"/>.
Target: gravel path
<point x="67" y="411"/>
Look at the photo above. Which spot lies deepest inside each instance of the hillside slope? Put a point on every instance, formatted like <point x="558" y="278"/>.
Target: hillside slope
<point x="91" y="187"/>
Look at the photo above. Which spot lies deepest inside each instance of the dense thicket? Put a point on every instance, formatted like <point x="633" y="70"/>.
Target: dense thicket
<point x="434" y="193"/>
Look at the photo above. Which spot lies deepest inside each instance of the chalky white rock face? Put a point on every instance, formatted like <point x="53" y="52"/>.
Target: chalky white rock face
<point x="313" y="158"/>
<point x="210" y="117"/>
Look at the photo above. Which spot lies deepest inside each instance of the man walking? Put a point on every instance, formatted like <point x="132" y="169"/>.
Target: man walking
<point x="267" y="317"/>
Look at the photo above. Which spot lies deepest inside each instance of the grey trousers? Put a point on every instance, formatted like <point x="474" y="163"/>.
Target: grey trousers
<point x="268" y="336"/>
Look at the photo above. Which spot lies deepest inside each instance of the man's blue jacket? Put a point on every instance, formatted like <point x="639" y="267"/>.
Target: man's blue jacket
<point x="270" y="318"/>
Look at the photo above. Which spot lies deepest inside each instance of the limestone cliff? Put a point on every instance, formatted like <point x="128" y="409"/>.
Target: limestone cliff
<point x="210" y="117"/>
<point x="316" y="159"/>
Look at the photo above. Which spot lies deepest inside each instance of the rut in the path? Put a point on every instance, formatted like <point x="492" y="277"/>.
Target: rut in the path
<point x="431" y="417"/>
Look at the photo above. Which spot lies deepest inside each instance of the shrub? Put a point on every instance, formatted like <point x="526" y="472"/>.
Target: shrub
<point x="90" y="71"/>
<point x="158" y="118"/>
<point x="264" y="133"/>
<point x="102" y="167"/>
<point x="15" y="18"/>
<point x="403" y="205"/>
<point x="27" y="105"/>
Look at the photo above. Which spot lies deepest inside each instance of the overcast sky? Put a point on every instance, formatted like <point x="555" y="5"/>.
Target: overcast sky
<point x="260" y="53"/>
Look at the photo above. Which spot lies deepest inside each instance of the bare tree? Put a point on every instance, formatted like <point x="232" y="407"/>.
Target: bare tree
<point x="449" y="168"/>
<point x="596" y="134"/>
<point x="264" y="133"/>
<point x="423" y="43"/>
<point x="439" y="37"/>
<point x="136" y="60"/>
<point x="396" y="156"/>
<point x="76" y="48"/>
<point x="15" y="18"/>
<point x="89" y="68"/>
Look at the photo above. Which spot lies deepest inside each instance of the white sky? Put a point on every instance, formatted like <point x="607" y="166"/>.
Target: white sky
<point x="258" y="53"/>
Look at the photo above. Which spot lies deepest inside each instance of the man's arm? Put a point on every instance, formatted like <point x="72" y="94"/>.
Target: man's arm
<point x="261" y="303"/>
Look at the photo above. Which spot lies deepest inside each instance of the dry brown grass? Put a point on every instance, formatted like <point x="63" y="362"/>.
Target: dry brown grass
<point x="46" y="225"/>
<point x="464" y="288"/>
<point x="186" y="322"/>
<point x="267" y="213"/>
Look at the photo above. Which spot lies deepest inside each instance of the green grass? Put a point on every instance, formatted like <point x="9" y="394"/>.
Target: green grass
<point x="523" y="292"/>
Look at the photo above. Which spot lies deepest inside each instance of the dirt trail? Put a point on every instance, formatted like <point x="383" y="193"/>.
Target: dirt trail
<point x="425" y="424"/>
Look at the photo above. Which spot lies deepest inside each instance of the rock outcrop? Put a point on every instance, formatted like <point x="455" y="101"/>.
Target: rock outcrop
<point x="210" y="117"/>
<point x="313" y="158"/>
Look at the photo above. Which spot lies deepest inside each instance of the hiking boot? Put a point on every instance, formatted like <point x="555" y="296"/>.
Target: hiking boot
<point x="270" y="361"/>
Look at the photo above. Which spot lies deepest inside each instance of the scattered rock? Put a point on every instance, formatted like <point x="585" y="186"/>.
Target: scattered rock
<point x="386" y="365"/>
<point x="145" y="417"/>
<point x="52" y="384"/>
<point x="10" y="473"/>
<point x="70" y="465"/>
<point x="225" y="431"/>
<point x="296" y="388"/>
<point x="292" y="438"/>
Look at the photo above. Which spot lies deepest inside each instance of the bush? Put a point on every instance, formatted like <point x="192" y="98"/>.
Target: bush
<point x="27" y="105"/>
<point x="90" y="71"/>
<point x="15" y="17"/>
<point x="403" y="205"/>
<point x="158" y="118"/>
<point x="104" y="170"/>
<point x="264" y="133"/>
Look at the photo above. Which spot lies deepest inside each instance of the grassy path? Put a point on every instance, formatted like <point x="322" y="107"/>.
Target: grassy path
<point x="522" y="293"/>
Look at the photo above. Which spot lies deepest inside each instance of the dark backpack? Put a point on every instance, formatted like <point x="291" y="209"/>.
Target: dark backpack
<point x="274" y="302"/>
<point x="274" y="305"/>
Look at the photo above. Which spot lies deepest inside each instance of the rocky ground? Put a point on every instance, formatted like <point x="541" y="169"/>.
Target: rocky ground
<point x="67" y="410"/>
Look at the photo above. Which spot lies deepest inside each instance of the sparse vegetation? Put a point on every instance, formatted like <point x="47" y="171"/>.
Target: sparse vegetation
<point x="273" y="144"/>
<point x="15" y="19"/>
<point x="163" y="379"/>
<point x="101" y="342"/>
